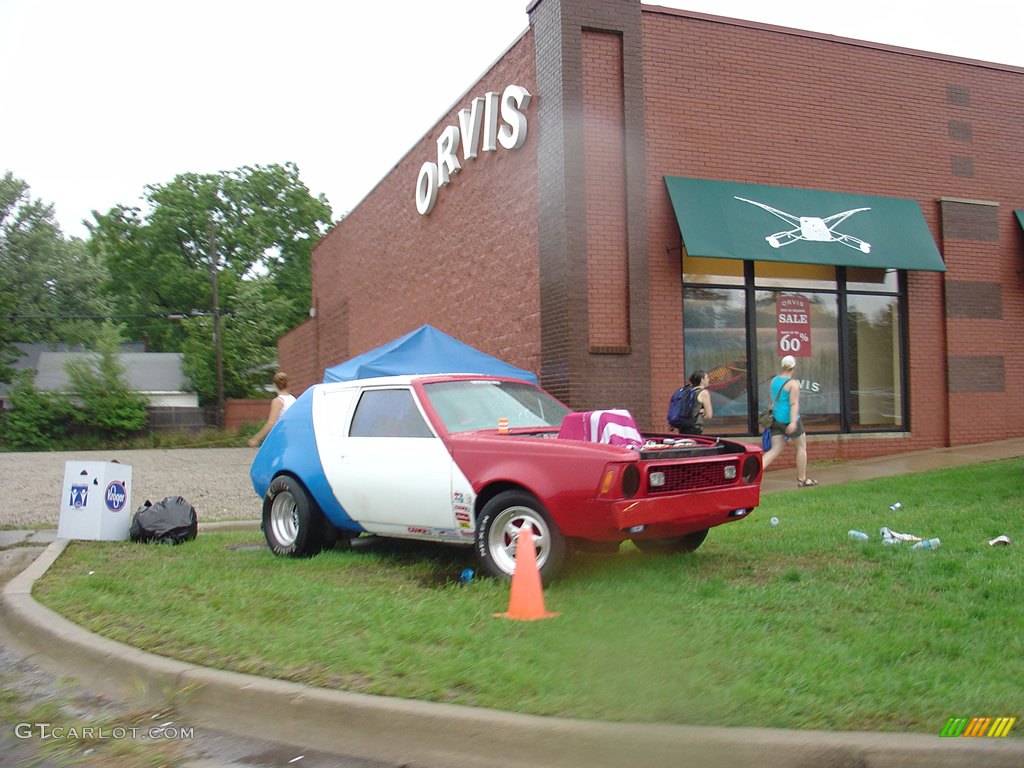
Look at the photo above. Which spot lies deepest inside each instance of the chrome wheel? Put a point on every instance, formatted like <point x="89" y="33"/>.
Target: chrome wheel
<point x="292" y="523"/>
<point x="503" y="537"/>
<point x="284" y="519"/>
<point x="502" y="521"/>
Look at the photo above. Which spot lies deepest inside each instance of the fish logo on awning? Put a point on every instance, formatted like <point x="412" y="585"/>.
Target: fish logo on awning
<point x="813" y="228"/>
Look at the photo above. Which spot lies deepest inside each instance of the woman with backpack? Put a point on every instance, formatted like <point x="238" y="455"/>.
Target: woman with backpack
<point x="691" y="405"/>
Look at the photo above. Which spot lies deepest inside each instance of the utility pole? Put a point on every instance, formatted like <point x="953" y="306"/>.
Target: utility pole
<point x="219" y="364"/>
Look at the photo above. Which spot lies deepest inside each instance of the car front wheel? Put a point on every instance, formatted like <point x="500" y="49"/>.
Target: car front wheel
<point x="292" y="524"/>
<point x="501" y="522"/>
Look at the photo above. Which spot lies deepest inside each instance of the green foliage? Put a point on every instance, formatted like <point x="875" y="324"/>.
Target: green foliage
<point x="252" y="229"/>
<point x="248" y="343"/>
<point x="792" y="626"/>
<point x="36" y="420"/>
<point x="49" y="286"/>
<point x="98" y="387"/>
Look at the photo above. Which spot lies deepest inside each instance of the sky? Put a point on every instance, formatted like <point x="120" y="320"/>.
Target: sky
<point x="100" y="98"/>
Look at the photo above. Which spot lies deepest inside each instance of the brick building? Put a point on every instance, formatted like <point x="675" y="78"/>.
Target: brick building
<point x="632" y="192"/>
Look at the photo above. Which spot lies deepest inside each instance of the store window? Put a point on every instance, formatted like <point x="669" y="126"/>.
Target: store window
<point x="843" y="325"/>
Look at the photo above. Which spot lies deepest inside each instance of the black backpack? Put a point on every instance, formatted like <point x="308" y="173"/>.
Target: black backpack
<point x="684" y="409"/>
<point x="170" y="521"/>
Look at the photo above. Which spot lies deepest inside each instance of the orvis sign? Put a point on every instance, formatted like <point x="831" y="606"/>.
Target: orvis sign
<point x="478" y="131"/>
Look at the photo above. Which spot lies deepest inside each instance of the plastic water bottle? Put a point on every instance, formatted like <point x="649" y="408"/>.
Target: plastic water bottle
<point x="928" y="544"/>
<point x="896" y="507"/>
<point x="858" y="535"/>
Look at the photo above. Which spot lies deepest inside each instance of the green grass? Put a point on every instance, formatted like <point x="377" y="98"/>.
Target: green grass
<point x="794" y="626"/>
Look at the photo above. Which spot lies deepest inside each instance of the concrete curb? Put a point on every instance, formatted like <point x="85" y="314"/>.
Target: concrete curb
<point x="430" y="734"/>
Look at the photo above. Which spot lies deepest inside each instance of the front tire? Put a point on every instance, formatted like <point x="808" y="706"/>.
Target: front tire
<point x="672" y="546"/>
<point x="292" y="524"/>
<point x="498" y="529"/>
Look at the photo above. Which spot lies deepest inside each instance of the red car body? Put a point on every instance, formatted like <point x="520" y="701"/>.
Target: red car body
<point x="470" y="460"/>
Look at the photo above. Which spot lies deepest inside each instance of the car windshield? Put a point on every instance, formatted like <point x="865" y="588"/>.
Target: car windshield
<point x="465" y="406"/>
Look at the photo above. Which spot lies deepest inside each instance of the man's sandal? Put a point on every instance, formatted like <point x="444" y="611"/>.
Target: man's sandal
<point x="805" y="483"/>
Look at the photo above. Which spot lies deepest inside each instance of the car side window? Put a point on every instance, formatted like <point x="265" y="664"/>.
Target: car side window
<point x="388" y="413"/>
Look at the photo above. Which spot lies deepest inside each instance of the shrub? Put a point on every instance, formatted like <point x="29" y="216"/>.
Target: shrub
<point x="98" y="386"/>
<point x="37" y="420"/>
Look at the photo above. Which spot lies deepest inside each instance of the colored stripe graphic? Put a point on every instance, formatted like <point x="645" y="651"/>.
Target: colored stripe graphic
<point x="1002" y="726"/>
<point x="992" y="727"/>
<point x="954" y="726"/>
<point x="978" y="726"/>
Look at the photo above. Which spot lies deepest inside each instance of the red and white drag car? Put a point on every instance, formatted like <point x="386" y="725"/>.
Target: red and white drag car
<point x="472" y="460"/>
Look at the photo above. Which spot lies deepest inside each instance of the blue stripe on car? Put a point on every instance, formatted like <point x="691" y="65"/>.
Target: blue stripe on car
<point x="291" y="449"/>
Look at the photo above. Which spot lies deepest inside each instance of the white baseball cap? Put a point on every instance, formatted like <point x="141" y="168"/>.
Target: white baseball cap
<point x="788" y="363"/>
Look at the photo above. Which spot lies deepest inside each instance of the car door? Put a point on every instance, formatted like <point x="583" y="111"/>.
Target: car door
<point x="392" y="474"/>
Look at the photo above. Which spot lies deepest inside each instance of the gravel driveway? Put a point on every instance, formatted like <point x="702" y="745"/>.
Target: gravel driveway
<point x="214" y="480"/>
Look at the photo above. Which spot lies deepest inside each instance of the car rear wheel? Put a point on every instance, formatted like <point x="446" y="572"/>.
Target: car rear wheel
<point x="497" y="535"/>
<point x="672" y="546"/>
<point x="292" y="524"/>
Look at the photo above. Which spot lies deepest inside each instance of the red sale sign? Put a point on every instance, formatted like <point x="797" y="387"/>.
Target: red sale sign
<point x="793" y="323"/>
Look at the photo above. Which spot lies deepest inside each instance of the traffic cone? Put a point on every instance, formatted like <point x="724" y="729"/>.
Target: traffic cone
<point x="526" y="599"/>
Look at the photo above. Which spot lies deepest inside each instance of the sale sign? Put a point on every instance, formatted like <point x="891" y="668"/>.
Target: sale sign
<point x="793" y="323"/>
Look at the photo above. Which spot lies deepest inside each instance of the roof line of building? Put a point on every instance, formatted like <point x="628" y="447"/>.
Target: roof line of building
<point x="658" y="9"/>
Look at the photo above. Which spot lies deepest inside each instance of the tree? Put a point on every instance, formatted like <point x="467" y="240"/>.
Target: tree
<point x="249" y="342"/>
<point x="253" y="229"/>
<point x="97" y="386"/>
<point x="50" y="288"/>
<point x="37" y="420"/>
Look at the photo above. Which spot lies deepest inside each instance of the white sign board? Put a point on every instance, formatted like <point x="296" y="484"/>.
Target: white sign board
<point x="96" y="502"/>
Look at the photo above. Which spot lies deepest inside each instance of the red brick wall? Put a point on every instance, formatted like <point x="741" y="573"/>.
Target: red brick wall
<point x="500" y="261"/>
<point x="605" y="190"/>
<point x="298" y="357"/>
<point x="469" y="268"/>
<point x="239" y="412"/>
<point x="591" y="199"/>
<point x="742" y="102"/>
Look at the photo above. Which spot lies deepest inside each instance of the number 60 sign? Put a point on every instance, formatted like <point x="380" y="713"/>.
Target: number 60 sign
<point x="793" y="324"/>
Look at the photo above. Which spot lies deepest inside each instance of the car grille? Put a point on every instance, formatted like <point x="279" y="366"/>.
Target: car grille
<point x="692" y="477"/>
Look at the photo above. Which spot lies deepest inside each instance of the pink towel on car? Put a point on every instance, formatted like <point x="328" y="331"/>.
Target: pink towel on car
<point x="614" y="427"/>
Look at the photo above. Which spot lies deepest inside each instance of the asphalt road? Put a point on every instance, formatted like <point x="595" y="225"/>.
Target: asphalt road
<point x="214" y="480"/>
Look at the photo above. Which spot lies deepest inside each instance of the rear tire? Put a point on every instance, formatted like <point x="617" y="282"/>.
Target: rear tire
<point x="497" y="535"/>
<point x="292" y="523"/>
<point x="673" y="546"/>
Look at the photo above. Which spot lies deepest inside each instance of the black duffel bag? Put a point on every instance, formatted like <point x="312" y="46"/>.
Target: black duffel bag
<point x="170" y="521"/>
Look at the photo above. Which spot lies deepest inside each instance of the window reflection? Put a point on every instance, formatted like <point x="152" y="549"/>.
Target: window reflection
<point x="715" y="342"/>
<point x="854" y="383"/>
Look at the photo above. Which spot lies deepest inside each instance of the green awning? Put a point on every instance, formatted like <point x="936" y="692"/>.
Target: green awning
<point x="720" y="219"/>
<point x="1020" y="217"/>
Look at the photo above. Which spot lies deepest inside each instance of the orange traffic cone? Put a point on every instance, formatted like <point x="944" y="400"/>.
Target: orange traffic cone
<point x="526" y="599"/>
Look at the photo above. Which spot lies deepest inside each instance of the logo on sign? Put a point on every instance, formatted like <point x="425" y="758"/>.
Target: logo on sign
<point x="812" y="228"/>
<point x="79" y="496"/>
<point x="478" y="131"/>
<point x="116" y="495"/>
<point x="793" y="324"/>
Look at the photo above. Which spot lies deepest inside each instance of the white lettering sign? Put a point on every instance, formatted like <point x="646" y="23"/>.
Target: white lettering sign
<point x="478" y="129"/>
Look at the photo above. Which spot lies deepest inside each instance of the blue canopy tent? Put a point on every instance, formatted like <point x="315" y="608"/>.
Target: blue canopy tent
<point x="425" y="350"/>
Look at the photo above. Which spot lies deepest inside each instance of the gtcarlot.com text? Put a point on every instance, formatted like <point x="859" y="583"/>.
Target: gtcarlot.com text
<point x="49" y="731"/>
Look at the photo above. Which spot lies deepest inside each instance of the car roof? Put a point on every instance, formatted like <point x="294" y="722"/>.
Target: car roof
<point x="407" y="380"/>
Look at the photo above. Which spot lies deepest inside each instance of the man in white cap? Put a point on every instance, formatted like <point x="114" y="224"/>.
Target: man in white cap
<point x="787" y="423"/>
